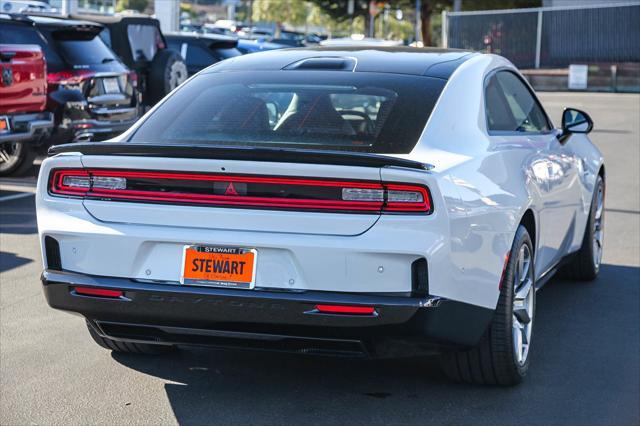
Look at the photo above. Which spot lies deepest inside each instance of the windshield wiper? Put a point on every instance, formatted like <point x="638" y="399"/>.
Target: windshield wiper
<point x="105" y="60"/>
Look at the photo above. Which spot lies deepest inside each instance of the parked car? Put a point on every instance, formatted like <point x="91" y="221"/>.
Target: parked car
<point x="291" y="200"/>
<point x="201" y="50"/>
<point x="24" y="123"/>
<point x="257" y="45"/>
<point x="25" y="6"/>
<point x="90" y="92"/>
<point x="139" y="42"/>
<point x="359" y="40"/>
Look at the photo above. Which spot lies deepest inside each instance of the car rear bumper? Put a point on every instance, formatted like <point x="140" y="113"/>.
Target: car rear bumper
<point x="27" y="127"/>
<point x="279" y="320"/>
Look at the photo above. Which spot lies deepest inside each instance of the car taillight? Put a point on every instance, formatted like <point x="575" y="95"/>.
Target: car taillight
<point x="394" y="197"/>
<point x="242" y="191"/>
<point x="69" y="77"/>
<point x="133" y="78"/>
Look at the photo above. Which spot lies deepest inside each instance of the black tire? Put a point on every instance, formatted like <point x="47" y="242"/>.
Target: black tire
<point x="20" y="157"/>
<point x="493" y="361"/>
<point x="583" y="267"/>
<point x="168" y="70"/>
<point x="128" y="347"/>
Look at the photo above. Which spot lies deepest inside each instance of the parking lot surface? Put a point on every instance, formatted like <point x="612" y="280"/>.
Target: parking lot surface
<point x="585" y="367"/>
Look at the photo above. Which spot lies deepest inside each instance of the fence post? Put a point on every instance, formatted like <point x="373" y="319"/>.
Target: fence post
<point x="445" y="29"/>
<point x="538" y="38"/>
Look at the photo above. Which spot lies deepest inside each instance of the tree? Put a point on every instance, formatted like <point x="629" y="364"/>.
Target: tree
<point x="337" y="9"/>
<point x="293" y="12"/>
<point x="139" y="5"/>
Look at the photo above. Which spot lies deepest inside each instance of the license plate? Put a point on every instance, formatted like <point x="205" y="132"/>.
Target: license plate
<point x="4" y="125"/>
<point x="219" y="266"/>
<point x="111" y="85"/>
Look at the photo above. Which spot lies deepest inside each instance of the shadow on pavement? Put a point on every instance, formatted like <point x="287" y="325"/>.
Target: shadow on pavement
<point x="584" y="370"/>
<point x="18" y="216"/>
<point x="11" y="260"/>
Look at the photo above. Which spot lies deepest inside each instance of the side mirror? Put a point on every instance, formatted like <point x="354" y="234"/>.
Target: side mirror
<point x="576" y="121"/>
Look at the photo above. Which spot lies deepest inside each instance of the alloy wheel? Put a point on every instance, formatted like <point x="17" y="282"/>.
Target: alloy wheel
<point x="523" y="304"/>
<point x="9" y="155"/>
<point x="598" y="228"/>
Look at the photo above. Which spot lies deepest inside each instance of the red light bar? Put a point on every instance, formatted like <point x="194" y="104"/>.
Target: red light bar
<point x="292" y="193"/>
<point x="99" y="292"/>
<point x="343" y="309"/>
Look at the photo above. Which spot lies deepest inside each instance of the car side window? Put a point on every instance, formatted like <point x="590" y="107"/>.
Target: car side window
<point x="511" y="107"/>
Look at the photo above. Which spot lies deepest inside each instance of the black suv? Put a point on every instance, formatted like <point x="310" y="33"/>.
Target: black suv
<point x="202" y="50"/>
<point x="139" y="43"/>
<point x="91" y="93"/>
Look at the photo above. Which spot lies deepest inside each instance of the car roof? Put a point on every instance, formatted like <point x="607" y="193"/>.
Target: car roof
<point x="137" y="18"/>
<point x="433" y="62"/>
<point x="207" y="37"/>
<point x="59" y="21"/>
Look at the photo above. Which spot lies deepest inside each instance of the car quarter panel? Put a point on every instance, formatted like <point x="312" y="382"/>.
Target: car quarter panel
<point x="492" y="176"/>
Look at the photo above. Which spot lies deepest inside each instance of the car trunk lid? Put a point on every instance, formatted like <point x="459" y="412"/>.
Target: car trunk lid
<point x="217" y="189"/>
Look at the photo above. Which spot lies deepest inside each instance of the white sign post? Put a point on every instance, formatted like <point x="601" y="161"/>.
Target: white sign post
<point x="578" y="76"/>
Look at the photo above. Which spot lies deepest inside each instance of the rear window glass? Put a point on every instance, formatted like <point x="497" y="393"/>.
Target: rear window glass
<point x="86" y="52"/>
<point x="145" y="40"/>
<point x="22" y="34"/>
<point x="367" y="112"/>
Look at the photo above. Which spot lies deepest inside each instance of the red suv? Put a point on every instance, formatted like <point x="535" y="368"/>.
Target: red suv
<point x="91" y="93"/>
<point x="23" y="98"/>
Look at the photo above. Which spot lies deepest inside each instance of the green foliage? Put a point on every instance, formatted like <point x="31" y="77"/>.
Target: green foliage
<point x="292" y="12"/>
<point x="139" y="5"/>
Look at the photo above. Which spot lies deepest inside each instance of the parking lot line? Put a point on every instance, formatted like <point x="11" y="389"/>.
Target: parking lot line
<point x="16" y="196"/>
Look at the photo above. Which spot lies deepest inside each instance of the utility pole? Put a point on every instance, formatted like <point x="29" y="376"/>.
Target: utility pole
<point x="418" y="21"/>
<point x="250" y="13"/>
<point x="350" y="11"/>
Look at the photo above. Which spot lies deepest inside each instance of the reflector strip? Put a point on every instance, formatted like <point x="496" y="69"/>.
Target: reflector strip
<point x="99" y="292"/>
<point x="342" y="309"/>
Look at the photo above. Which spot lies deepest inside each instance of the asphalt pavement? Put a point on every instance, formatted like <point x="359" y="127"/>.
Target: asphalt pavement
<point x="585" y="361"/>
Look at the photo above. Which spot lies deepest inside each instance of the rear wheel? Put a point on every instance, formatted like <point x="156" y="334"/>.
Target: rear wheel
<point x="502" y="355"/>
<point x="16" y="158"/>
<point x="128" y="347"/>
<point x="586" y="263"/>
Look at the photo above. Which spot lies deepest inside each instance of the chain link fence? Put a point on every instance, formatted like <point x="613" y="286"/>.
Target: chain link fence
<point x="551" y="37"/>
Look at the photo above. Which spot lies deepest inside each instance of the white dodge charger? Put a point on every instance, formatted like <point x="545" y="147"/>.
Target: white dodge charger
<point x="339" y="201"/>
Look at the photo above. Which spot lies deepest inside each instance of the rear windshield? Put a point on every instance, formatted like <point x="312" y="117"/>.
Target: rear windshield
<point x="82" y="48"/>
<point x="145" y="40"/>
<point x="367" y="112"/>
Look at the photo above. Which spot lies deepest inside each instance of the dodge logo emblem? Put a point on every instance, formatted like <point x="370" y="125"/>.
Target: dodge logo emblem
<point x="7" y="76"/>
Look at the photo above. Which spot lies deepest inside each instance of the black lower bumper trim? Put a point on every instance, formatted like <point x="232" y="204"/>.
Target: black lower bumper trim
<point x="172" y="313"/>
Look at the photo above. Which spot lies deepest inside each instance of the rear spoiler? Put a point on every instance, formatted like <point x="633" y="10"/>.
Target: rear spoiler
<point x="281" y="155"/>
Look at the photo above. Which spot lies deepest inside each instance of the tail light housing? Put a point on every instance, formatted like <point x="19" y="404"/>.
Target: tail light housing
<point x="69" y="78"/>
<point x="223" y="190"/>
<point x="133" y="79"/>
